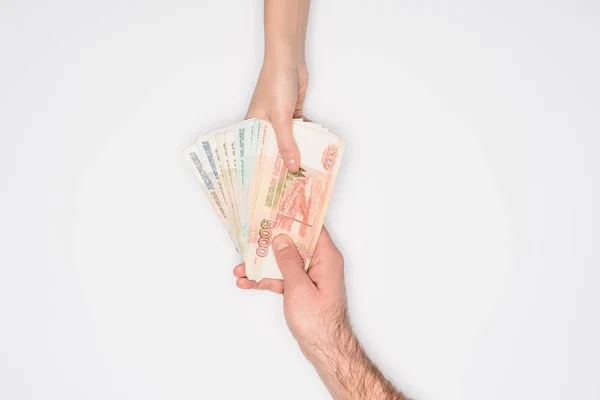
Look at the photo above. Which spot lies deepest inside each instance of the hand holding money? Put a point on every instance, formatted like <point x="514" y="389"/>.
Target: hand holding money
<point x="241" y="171"/>
<point x="316" y="311"/>
<point x="281" y="87"/>
<point x="279" y="97"/>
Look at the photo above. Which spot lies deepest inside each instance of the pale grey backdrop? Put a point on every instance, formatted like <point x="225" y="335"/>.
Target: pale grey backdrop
<point x="467" y="205"/>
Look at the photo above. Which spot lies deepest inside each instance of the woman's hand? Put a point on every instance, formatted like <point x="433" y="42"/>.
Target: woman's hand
<point x="279" y="98"/>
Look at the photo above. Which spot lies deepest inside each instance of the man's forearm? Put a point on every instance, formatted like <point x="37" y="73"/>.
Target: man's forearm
<point x="285" y="30"/>
<point x="346" y="370"/>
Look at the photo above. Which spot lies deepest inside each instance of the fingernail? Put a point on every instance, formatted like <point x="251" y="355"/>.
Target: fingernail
<point x="279" y="243"/>
<point x="291" y="164"/>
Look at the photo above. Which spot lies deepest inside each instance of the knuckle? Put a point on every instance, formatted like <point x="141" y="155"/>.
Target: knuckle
<point x="340" y="259"/>
<point x="286" y="150"/>
<point x="290" y="256"/>
<point x="264" y="285"/>
<point x="337" y="259"/>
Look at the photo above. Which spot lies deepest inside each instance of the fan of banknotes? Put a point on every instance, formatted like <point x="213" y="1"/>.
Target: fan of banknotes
<point x="255" y="196"/>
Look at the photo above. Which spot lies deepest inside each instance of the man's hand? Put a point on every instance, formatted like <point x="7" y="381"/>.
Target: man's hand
<point x="315" y="308"/>
<point x="314" y="304"/>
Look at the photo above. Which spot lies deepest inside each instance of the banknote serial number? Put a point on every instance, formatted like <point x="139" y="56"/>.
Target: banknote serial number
<point x="264" y="240"/>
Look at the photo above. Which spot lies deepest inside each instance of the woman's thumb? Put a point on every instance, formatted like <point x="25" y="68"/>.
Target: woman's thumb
<point x="284" y="130"/>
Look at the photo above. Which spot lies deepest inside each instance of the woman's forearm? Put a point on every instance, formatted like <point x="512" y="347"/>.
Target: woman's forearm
<point x="285" y="31"/>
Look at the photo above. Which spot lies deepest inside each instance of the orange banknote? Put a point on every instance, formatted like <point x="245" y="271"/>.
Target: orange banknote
<point x="290" y="203"/>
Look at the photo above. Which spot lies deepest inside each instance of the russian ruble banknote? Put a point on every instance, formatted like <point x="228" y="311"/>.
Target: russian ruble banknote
<point x="254" y="195"/>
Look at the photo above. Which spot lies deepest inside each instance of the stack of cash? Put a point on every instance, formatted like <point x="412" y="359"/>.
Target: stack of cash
<point x="254" y="195"/>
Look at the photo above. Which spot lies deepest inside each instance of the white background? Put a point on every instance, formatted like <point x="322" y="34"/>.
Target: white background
<point x="467" y="205"/>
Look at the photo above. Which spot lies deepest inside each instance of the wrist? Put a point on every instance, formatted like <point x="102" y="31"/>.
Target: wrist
<point x="284" y="58"/>
<point x="287" y="67"/>
<point x="334" y="341"/>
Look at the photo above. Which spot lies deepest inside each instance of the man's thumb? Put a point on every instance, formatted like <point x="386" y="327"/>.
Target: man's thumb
<point x="290" y="262"/>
